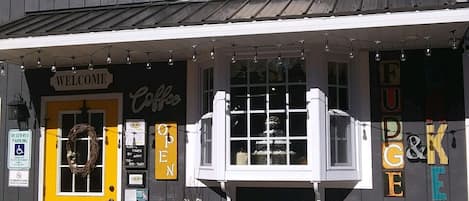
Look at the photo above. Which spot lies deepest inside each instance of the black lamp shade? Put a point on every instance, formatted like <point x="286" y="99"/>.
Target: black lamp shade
<point x="17" y="110"/>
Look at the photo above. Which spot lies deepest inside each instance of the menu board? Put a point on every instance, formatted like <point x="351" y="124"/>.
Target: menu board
<point x="135" y="149"/>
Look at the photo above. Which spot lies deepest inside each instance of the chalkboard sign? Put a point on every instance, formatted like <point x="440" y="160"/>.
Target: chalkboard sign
<point x="135" y="157"/>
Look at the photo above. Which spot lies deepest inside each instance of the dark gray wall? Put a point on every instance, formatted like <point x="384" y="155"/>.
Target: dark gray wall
<point x="10" y="86"/>
<point x="11" y="10"/>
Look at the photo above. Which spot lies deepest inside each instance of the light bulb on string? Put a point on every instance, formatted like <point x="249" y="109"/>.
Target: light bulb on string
<point x="148" y="64"/>
<point x="2" y="68"/>
<point x="108" y="58"/>
<point x="91" y="64"/>
<point x="403" y="56"/>
<point x="255" y="55"/>
<point x="194" y="53"/>
<point x="170" y="59"/>
<point x="128" y="59"/>
<point x="53" y="68"/>
<point x="454" y="43"/>
<point x="428" y="50"/>
<point x="377" y="54"/>
<point x="212" y="52"/>
<point x="302" y="51"/>
<point x="350" y="54"/>
<point x="38" y="62"/>
<point x="22" y="67"/>
<point x="279" y="55"/>
<point x="233" y="57"/>
<point x="74" y="68"/>
<point x="326" y="43"/>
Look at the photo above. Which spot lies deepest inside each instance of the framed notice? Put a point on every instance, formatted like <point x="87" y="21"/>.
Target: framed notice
<point x="166" y="151"/>
<point x="135" y="144"/>
<point x="136" y="179"/>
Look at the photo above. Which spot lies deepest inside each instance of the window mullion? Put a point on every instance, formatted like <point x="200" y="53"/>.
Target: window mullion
<point x="248" y="115"/>
<point x="267" y="107"/>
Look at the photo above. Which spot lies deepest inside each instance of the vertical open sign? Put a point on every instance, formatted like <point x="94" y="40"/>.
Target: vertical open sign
<point x="166" y="151"/>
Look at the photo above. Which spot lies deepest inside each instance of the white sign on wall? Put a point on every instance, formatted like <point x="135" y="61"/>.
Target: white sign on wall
<point x="19" y="149"/>
<point x="18" y="178"/>
<point x="81" y="80"/>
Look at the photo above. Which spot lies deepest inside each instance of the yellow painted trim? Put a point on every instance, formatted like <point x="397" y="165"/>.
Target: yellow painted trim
<point x="111" y="150"/>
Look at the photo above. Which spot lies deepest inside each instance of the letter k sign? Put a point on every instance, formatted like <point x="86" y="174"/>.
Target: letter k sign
<point x="434" y="143"/>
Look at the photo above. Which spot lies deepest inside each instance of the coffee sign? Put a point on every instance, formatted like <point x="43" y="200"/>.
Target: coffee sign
<point x="81" y="80"/>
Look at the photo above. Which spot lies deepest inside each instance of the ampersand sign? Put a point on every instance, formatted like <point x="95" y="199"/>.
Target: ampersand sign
<point x="415" y="150"/>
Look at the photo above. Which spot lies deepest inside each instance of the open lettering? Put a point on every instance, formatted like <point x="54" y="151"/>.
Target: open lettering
<point x="166" y="151"/>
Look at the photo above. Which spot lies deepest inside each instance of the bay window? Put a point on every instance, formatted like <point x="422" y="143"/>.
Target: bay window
<point x="268" y="112"/>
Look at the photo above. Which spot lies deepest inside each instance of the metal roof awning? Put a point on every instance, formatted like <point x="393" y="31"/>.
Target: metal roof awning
<point x="162" y="26"/>
<point x="183" y="13"/>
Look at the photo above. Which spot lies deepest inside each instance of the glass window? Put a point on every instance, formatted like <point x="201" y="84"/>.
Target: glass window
<point x="268" y="112"/>
<point x="340" y="121"/>
<point x="206" y="120"/>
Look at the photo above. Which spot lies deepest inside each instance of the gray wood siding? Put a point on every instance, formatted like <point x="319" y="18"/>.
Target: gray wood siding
<point x="10" y="86"/>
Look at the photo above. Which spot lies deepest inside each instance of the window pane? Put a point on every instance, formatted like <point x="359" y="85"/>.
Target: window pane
<point x="298" y="153"/>
<point x="340" y="139"/>
<point x="96" y="180"/>
<point x="277" y="125"/>
<point x="298" y="124"/>
<point x="332" y="98"/>
<point x="258" y="98"/>
<point x="343" y="75"/>
<point x="65" y="180"/>
<point x="81" y="149"/>
<point x="238" y="73"/>
<point x="257" y="73"/>
<point x="206" y="148"/>
<point x="332" y="73"/>
<point x="276" y="72"/>
<point x="279" y="152"/>
<point x="239" y="155"/>
<point x="238" y="98"/>
<point x="97" y="120"/>
<point x="259" y="152"/>
<point x="99" y="161"/>
<point x="277" y="97"/>
<point x="64" y="152"/>
<point x="258" y="128"/>
<point x="296" y="70"/>
<point x="205" y="102"/>
<point x="343" y="99"/>
<point x="239" y="125"/>
<point x="80" y="183"/>
<point x="297" y="96"/>
<point x="68" y="120"/>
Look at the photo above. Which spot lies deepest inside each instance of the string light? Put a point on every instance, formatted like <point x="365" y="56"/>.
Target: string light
<point x="74" y="68"/>
<point x="326" y="45"/>
<point x="233" y="57"/>
<point x="255" y="55"/>
<point x="91" y="64"/>
<point x="403" y="56"/>
<point x="350" y="54"/>
<point x="377" y="54"/>
<point x="302" y="52"/>
<point x="53" y="68"/>
<point x="38" y="62"/>
<point x="170" y="59"/>
<point x="212" y="52"/>
<point x="454" y="44"/>
<point x="128" y="60"/>
<point x="22" y="67"/>
<point x="108" y="58"/>
<point x="2" y="68"/>
<point x="194" y="53"/>
<point x="148" y="64"/>
<point x="428" y="50"/>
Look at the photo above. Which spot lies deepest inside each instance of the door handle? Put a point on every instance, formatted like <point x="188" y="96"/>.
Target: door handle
<point x="106" y="140"/>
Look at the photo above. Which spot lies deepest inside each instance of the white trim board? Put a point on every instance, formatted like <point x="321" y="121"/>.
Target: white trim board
<point x="242" y="28"/>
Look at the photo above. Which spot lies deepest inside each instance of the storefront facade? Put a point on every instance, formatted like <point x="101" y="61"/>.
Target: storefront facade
<point x="235" y="100"/>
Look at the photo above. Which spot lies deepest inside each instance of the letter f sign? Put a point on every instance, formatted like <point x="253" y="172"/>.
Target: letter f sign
<point x="434" y="143"/>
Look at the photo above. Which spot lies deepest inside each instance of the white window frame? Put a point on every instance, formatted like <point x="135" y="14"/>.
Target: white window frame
<point x="205" y="116"/>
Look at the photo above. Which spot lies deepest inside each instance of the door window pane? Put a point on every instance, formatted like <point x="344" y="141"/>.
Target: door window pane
<point x="96" y="180"/>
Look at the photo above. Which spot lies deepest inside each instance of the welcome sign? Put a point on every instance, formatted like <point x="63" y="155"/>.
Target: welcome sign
<point x="81" y="80"/>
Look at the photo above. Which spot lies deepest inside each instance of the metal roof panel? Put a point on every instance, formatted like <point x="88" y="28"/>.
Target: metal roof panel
<point x="251" y="9"/>
<point x="273" y="9"/>
<point x="297" y="7"/>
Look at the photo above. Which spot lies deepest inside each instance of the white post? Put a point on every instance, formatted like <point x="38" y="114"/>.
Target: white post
<point x="465" y="63"/>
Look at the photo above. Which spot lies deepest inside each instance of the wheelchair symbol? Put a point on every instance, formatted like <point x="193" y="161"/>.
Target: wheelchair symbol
<point x="19" y="149"/>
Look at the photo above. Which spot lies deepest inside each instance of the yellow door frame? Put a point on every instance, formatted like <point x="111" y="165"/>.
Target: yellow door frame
<point x="42" y="147"/>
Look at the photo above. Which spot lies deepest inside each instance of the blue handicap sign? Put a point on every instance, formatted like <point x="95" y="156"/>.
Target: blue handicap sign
<point x="19" y="149"/>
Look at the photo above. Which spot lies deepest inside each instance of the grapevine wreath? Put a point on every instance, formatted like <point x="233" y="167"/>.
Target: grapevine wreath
<point x="72" y="155"/>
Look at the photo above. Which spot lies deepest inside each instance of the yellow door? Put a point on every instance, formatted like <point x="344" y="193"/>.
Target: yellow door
<point x="60" y="183"/>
